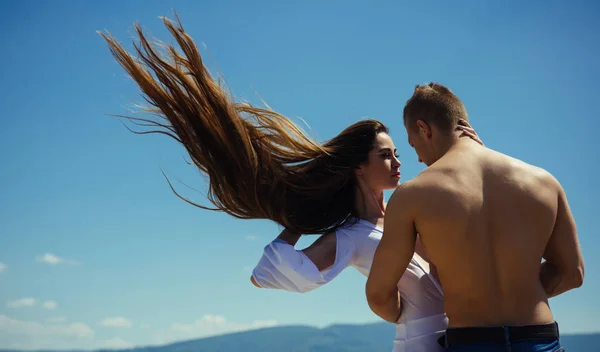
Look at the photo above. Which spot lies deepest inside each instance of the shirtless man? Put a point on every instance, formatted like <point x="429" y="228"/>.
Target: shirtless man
<point x="486" y="220"/>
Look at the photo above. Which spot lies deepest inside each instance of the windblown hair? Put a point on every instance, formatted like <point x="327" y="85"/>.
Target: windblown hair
<point x="259" y="163"/>
<point x="435" y="104"/>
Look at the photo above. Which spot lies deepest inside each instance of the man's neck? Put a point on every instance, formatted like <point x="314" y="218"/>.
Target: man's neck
<point x="446" y="143"/>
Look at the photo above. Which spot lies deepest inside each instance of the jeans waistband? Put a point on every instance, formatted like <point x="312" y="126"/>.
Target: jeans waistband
<point x="501" y="334"/>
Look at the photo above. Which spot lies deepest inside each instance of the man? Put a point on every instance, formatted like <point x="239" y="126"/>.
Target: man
<point x="486" y="220"/>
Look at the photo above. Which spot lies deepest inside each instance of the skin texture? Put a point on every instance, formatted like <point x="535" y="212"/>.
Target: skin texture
<point x="486" y="221"/>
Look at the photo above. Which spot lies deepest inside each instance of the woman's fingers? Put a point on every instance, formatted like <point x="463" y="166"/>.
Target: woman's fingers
<point x="471" y="134"/>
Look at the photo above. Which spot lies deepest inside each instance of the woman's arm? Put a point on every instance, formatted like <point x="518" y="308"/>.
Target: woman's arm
<point x="284" y="267"/>
<point x="321" y="252"/>
<point x="290" y="238"/>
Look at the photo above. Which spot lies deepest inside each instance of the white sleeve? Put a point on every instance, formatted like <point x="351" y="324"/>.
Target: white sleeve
<point x="285" y="268"/>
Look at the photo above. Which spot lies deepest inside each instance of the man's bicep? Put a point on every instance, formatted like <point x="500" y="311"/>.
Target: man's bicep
<point x="397" y="245"/>
<point x="563" y="247"/>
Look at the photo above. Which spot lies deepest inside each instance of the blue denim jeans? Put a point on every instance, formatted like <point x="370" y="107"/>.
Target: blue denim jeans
<point x="541" y="345"/>
<point x="532" y="338"/>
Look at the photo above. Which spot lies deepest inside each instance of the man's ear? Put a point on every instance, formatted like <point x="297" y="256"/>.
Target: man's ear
<point x="424" y="129"/>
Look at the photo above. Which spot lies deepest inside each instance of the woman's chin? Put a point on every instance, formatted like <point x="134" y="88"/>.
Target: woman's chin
<point x="393" y="186"/>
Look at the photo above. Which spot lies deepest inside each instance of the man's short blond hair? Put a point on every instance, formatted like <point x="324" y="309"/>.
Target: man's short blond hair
<point x="434" y="104"/>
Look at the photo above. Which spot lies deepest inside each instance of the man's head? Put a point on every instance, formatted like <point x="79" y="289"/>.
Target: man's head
<point x="431" y="116"/>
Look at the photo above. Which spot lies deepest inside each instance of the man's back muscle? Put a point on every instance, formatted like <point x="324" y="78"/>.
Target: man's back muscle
<point x="485" y="219"/>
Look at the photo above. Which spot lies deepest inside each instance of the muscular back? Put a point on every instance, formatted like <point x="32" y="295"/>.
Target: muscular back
<point x="485" y="220"/>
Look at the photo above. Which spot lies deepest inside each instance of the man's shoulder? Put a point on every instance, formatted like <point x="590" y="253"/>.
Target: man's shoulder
<point x="404" y="200"/>
<point x="543" y="175"/>
<point x="423" y="187"/>
<point x="418" y="184"/>
<point x="435" y="178"/>
<point x="403" y="193"/>
<point x="524" y="169"/>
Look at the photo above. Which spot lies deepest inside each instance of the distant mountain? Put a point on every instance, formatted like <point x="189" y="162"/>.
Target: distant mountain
<point x="337" y="338"/>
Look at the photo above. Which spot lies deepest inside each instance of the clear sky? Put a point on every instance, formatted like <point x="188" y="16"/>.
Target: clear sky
<point x="95" y="249"/>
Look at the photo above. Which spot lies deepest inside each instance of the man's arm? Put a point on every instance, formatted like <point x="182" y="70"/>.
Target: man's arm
<point x="563" y="269"/>
<point x="392" y="256"/>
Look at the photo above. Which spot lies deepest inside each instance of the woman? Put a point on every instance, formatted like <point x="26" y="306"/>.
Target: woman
<point x="262" y="166"/>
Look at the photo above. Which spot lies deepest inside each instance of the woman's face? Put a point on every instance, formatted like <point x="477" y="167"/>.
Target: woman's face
<point x="382" y="170"/>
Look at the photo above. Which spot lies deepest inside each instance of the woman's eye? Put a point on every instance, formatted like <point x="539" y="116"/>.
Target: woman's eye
<point x="389" y="155"/>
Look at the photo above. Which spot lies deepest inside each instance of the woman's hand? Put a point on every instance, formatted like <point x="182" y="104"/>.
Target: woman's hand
<point x="468" y="131"/>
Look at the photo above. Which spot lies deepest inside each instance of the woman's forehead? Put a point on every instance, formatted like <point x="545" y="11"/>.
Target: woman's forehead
<point x="383" y="140"/>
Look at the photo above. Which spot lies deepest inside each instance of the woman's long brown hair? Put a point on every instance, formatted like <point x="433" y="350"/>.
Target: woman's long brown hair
<point x="260" y="164"/>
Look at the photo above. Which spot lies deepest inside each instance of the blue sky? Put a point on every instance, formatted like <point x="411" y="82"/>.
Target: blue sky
<point x="96" y="251"/>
